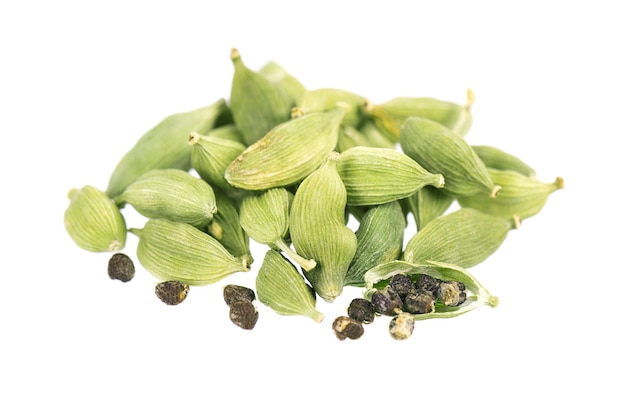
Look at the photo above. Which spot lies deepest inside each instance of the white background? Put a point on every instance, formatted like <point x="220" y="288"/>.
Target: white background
<point x="81" y="81"/>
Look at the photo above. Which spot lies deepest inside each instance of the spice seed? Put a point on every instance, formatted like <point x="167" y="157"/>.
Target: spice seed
<point x="243" y="314"/>
<point x="172" y="292"/>
<point x="121" y="267"/>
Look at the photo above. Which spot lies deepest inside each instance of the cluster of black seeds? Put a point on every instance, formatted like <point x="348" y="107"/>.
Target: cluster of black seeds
<point x="400" y="299"/>
<point x="243" y="312"/>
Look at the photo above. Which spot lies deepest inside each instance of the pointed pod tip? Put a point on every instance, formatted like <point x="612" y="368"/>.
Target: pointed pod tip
<point x="494" y="191"/>
<point x="234" y="54"/>
<point x="193" y="138"/>
<point x="493" y="301"/>
<point x="560" y="183"/>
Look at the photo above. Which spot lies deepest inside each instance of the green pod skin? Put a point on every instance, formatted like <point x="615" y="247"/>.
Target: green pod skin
<point x="277" y="74"/>
<point x="226" y="228"/>
<point x="380" y="239"/>
<point x="211" y="155"/>
<point x="374" y="176"/>
<point x="318" y="230"/>
<point x="437" y="149"/>
<point x="391" y="115"/>
<point x="477" y="294"/>
<point x="171" y="194"/>
<point x="323" y="99"/>
<point x="164" y="146"/>
<point x="495" y="158"/>
<point x="520" y="195"/>
<point x="281" y="287"/>
<point x="288" y="153"/>
<point x="265" y="218"/>
<point x="465" y="237"/>
<point x="93" y="221"/>
<point x="173" y="251"/>
<point x="227" y="132"/>
<point x="257" y="104"/>
<point x="350" y="137"/>
<point x="375" y="137"/>
<point x="427" y="204"/>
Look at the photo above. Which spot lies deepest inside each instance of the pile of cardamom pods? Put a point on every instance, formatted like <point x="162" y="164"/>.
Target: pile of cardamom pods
<point x="288" y="167"/>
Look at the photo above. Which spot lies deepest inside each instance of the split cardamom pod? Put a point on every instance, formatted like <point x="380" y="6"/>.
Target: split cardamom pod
<point x="438" y="149"/>
<point x="174" y="251"/>
<point x="380" y="238"/>
<point x="318" y="230"/>
<point x="288" y="153"/>
<point x="257" y="104"/>
<point x="265" y="217"/>
<point x="171" y="194"/>
<point x="375" y="176"/>
<point x="476" y="294"/>
<point x="164" y="146"/>
<point x="281" y="287"/>
<point x="93" y="221"/>
<point x="464" y="237"/>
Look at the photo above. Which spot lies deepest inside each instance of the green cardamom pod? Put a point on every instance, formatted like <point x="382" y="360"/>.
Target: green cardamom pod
<point x="375" y="137"/>
<point x="438" y="149"/>
<point x="427" y="204"/>
<point x="93" y="221"/>
<point x="174" y="251"/>
<point x="226" y="228"/>
<point x="465" y="237"/>
<point x="288" y="153"/>
<point x="380" y="238"/>
<point x="520" y="195"/>
<point x="265" y="218"/>
<point x="210" y="156"/>
<point x="227" y="132"/>
<point x="256" y="103"/>
<point x="350" y="137"/>
<point x="281" y="287"/>
<point x="477" y="294"/>
<point x="277" y="74"/>
<point x="318" y="230"/>
<point x="496" y="158"/>
<point x="323" y="99"/>
<point x="171" y="194"/>
<point x="164" y="146"/>
<point x="378" y="175"/>
<point x="391" y="115"/>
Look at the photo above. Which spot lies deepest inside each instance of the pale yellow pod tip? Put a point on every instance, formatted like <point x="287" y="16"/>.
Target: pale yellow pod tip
<point x="495" y="190"/>
<point x="560" y="182"/>
<point x="193" y="138"/>
<point x="296" y="112"/>
<point x="517" y="221"/>
<point x="234" y="53"/>
<point x="471" y="98"/>
<point x="368" y="106"/>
